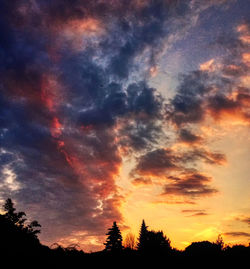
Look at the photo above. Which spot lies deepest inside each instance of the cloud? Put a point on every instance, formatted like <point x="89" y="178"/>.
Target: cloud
<point x="195" y="212"/>
<point x="198" y="214"/>
<point x="244" y="219"/>
<point x="75" y="98"/>
<point x="139" y="135"/>
<point x="219" y="89"/>
<point x="162" y="161"/>
<point x="207" y="66"/>
<point x="237" y="234"/>
<point x="213" y="158"/>
<point x="191" y="185"/>
<point x="141" y="181"/>
<point x="187" y="137"/>
<point x="157" y="163"/>
<point x="236" y="107"/>
<point x="185" y="110"/>
<point x="184" y="183"/>
<point x="69" y="77"/>
<point x="187" y="105"/>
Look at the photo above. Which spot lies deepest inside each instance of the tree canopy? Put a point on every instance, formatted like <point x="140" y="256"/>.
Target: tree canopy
<point x="114" y="239"/>
<point x="152" y="241"/>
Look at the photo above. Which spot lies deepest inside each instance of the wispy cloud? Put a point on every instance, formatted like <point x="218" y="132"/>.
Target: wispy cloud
<point x="237" y="234"/>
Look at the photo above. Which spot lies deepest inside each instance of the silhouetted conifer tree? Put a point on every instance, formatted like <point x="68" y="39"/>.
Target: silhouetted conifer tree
<point x="143" y="237"/>
<point x="17" y="218"/>
<point x="114" y="239"/>
<point x="151" y="241"/>
<point x="16" y="236"/>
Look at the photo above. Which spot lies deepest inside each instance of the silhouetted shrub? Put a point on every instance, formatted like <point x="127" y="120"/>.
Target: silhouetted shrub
<point x="203" y="248"/>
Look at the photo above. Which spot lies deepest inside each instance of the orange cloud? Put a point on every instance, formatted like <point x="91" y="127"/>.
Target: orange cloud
<point x="141" y="181"/>
<point x="243" y="29"/>
<point x="246" y="58"/>
<point x="208" y="66"/>
<point x="153" y="71"/>
<point x="82" y="26"/>
<point x="77" y="31"/>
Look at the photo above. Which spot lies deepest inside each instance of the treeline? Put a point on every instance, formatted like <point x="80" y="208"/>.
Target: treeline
<point x="18" y="239"/>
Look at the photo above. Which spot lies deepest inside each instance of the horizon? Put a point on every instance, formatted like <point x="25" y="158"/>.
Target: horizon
<point x="123" y="111"/>
<point x="11" y="218"/>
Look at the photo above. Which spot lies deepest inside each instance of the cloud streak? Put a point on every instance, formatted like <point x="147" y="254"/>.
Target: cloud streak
<point x="237" y="234"/>
<point x="195" y="212"/>
<point x="190" y="185"/>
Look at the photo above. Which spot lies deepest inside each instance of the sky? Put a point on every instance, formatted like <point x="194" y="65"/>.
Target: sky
<point x="125" y="110"/>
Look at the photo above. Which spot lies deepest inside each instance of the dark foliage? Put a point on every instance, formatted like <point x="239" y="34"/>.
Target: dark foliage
<point x="17" y="236"/>
<point x="19" y="243"/>
<point x="114" y="240"/>
<point x="152" y="242"/>
<point x="203" y="248"/>
<point x="142" y="237"/>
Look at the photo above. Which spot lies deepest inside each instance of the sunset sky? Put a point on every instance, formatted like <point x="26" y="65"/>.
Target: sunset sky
<point x="123" y="110"/>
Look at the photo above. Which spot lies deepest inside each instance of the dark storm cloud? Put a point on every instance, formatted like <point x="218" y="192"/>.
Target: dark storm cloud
<point x="142" y="128"/>
<point x="186" y="109"/>
<point x="140" y="135"/>
<point x="187" y="105"/>
<point x="106" y="103"/>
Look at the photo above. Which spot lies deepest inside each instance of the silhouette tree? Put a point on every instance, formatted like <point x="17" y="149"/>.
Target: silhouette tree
<point x="151" y="241"/>
<point x="114" y="239"/>
<point x="203" y="248"/>
<point x="17" y="237"/>
<point x="220" y="242"/>
<point x="17" y="218"/>
<point x="158" y="242"/>
<point x="143" y="237"/>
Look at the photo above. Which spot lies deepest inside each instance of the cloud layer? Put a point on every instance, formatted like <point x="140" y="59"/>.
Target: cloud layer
<point x="75" y="98"/>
